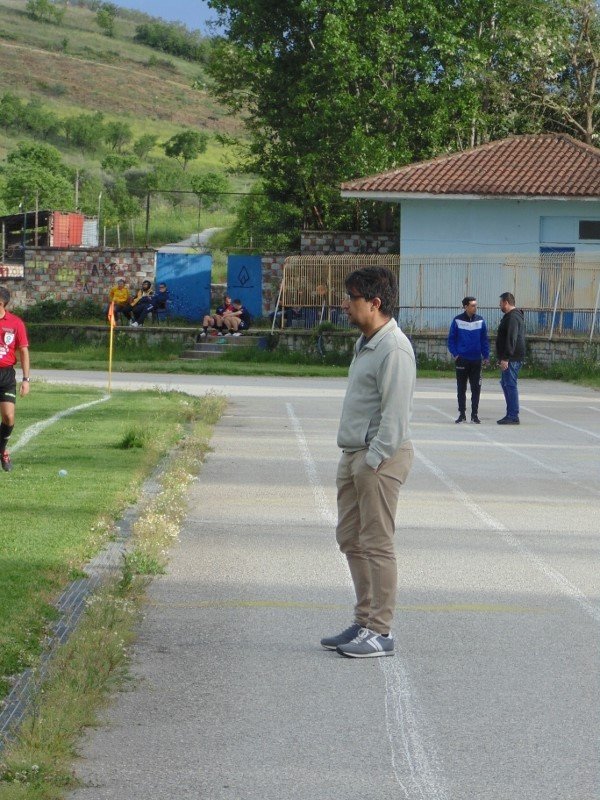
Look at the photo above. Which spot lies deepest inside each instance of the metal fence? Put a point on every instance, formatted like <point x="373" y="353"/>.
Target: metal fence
<point x="559" y="292"/>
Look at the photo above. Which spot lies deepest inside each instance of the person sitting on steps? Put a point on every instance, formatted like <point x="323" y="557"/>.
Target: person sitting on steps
<point x="215" y="321"/>
<point x="237" y="320"/>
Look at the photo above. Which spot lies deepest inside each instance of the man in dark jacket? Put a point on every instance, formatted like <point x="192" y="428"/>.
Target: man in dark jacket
<point x="510" y="349"/>
<point x="468" y="343"/>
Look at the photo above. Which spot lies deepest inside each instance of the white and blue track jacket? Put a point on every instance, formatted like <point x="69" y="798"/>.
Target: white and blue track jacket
<point x="468" y="337"/>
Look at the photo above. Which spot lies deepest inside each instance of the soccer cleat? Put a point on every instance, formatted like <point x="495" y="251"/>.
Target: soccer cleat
<point x="331" y="642"/>
<point x="461" y="418"/>
<point x="508" y="421"/>
<point x="6" y="462"/>
<point x="475" y="419"/>
<point x="237" y="333"/>
<point x="367" y="644"/>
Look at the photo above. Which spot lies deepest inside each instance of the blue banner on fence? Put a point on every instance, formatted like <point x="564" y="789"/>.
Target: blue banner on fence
<point x="244" y="281"/>
<point x="188" y="277"/>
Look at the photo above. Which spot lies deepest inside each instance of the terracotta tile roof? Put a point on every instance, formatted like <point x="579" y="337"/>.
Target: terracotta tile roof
<point x="543" y="165"/>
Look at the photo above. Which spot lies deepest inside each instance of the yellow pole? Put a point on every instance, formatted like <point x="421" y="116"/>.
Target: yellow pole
<point x="111" y="322"/>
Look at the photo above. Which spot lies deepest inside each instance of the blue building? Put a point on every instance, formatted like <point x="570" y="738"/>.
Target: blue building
<point x="515" y="195"/>
<point x="520" y="214"/>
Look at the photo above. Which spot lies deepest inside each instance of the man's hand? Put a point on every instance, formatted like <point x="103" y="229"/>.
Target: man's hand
<point x="24" y="390"/>
<point x="503" y="365"/>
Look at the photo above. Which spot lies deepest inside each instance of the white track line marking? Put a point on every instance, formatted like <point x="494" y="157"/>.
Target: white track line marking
<point x="525" y="456"/>
<point x="401" y="718"/>
<point x="563" y="424"/>
<point x="566" y="587"/>
<point x="33" y="430"/>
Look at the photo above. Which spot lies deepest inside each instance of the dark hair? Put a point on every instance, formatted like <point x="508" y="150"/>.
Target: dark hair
<point x="237" y="302"/>
<point x="146" y="283"/>
<point x="4" y="295"/>
<point x="467" y="300"/>
<point x="509" y="297"/>
<point x="371" y="282"/>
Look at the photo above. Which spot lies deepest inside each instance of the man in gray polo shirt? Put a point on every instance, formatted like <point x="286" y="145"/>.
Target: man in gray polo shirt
<point x="375" y="461"/>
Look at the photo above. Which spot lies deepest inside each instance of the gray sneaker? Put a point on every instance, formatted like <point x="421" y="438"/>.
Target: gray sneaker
<point x="367" y="644"/>
<point x="331" y="642"/>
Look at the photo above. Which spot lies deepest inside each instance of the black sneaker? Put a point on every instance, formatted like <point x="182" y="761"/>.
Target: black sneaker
<point x="461" y="418"/>
<point x="508" y="421"/>
<point x="331" y="642"/>
<point x="475" y="419"/>
<point x="5" y="462"/>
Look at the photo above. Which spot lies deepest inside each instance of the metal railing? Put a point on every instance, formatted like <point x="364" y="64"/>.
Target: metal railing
<point x="559" y="292"/>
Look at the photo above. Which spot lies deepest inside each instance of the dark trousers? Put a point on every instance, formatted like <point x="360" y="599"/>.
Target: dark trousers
<point x="468" y="372"/>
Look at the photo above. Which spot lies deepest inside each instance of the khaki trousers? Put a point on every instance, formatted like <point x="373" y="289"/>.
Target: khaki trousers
<point x="367" y="502"/>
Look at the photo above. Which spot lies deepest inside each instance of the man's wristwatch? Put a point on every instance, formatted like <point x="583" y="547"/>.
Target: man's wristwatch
<point x="25" y="380"/>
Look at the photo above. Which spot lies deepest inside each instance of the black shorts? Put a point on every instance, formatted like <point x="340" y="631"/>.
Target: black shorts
<point x="8" y="385"/>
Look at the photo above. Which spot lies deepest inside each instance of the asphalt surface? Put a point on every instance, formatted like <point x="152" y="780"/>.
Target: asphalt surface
<point x="494" y="691"/>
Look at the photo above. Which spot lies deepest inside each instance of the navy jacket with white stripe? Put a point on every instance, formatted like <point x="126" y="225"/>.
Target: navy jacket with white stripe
<point x="468" y="337"/>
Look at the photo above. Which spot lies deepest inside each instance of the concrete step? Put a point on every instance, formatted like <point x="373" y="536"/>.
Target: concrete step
<point x="214" y="346"/>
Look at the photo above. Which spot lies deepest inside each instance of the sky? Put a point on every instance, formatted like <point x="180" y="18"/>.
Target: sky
<point x="193" y="13"/>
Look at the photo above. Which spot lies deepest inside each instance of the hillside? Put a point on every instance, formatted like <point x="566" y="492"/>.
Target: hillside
<point x="75" y="68"/>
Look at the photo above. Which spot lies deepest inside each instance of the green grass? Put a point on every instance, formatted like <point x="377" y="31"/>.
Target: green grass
<point x="53" y="524"/>
<point x="37" y="763"/>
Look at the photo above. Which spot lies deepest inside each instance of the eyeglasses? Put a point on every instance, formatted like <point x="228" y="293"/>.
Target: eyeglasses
<point x="353" y="296"/>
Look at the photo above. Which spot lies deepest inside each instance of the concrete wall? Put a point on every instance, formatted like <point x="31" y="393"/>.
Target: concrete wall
<point x="445" y="227"/>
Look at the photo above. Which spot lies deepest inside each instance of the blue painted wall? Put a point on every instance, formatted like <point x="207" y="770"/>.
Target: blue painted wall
<point x="445" y="227"/>
<point x="244" y="281"/>
<point x="188" y="279"/>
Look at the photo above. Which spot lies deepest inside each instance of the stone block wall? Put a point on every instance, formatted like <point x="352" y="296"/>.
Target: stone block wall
<point x="339" y="242"/>
<point x="272" y="270"/>
<point x="72" y="274"/>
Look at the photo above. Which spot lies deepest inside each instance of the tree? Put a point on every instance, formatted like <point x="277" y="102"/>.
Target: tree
<point x="36" y="170"/>
<point x="186" y="146"/>
<point x="85" y="131"/>
<point x="569" y="92"/>
<point x="117" y="134"/>
<point x="39" y="120"/>
<point x="105" y="18"/>
<point x="210" y="183"/>
<point x="144" y="145"/>
<point x="44" y="11"/>
<point x="343" y="88"/>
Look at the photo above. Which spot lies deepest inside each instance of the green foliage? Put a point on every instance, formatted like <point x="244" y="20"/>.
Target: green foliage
<point x="118" y="163"/>
<point x="105" y="17"/>
<point x="11" y="110"/>
<point x="144" y="145"/>
<point x="61" y="311"/>
<point x="266" y="223"/>
<point x="136" y="436"/>
<point x="210" y="183"/>
<point x="39" y="121"/>
<point x="44" y="11"/>
<point x="173" y="38"/>
<point x="186" y="146"/>
<point x="117" y="134"/>
<point x="33" y="170"/>
<point x="329" y="97"/>
<point x="85" y="131"/>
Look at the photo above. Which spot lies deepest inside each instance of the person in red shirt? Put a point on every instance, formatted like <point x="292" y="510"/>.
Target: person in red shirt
<point x="13" y="342"/>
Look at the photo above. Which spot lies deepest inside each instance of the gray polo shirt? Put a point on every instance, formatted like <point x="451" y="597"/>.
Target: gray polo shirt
<point x="378" y="403"/>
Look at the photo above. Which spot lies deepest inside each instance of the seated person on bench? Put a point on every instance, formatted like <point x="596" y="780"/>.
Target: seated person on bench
<point x="141" y="305"/>
<point x="119" y="295"/>
<point x="160" y="299"/>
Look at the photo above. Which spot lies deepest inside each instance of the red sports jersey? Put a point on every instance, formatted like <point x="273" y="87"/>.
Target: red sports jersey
<point x="13" y="336"/>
